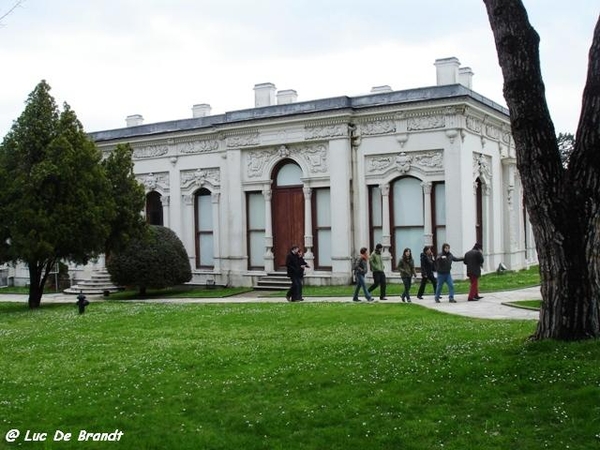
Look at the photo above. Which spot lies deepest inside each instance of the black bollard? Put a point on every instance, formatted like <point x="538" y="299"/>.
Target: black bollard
<point x="81" y="302"/>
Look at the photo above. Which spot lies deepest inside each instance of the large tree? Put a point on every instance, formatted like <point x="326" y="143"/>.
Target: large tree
<point x="55" y="201"/>
<point x="563" y="201"/>
<point x="129" y="198"/>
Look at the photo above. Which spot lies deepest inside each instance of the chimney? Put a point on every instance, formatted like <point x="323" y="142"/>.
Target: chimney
<point x="134" y="120"/>
<point x="201" y="110"/>
<point x="286" y="97"/>
<point x="264" y="94"/>
<point x="447" y="70"/>
<point x="465" y="77"/>
<point x="380" y="89"/>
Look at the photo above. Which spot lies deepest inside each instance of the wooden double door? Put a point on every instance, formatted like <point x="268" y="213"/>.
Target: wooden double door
<point x="288" y="222"/>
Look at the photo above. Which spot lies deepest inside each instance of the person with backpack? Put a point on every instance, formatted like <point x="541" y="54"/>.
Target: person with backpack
<point x="360" y="268"/>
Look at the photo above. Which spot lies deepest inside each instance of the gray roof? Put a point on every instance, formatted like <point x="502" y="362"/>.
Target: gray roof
<point x="299" y="108"/>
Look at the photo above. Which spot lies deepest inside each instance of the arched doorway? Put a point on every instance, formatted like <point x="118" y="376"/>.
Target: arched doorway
<point x="154" y="208"/>
<point x="287" y="210"/>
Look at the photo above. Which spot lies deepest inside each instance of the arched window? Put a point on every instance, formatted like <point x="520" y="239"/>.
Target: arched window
<point x="204" y="229"/>
<point x="154" y="209"/>
<point x="407" y="217"/>
<point x="289" y="175"/>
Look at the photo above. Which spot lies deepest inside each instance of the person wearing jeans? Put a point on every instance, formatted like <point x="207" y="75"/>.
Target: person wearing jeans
<point x="444" y="267"/>
<point x="360" y="270"/>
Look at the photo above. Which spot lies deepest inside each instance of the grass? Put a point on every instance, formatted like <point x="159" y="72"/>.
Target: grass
<point x="527" y="304"/>
<point x="292" y="376"/>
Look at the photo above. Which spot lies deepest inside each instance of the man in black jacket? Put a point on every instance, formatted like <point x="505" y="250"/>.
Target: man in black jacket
<point x="474" y="261"/>
<point x="295" y="272"/>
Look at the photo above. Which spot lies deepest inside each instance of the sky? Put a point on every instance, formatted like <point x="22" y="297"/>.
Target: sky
<point x="109" y="59"/>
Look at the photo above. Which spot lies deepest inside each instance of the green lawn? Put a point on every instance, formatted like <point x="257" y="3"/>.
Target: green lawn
<point x="292" y="376"/>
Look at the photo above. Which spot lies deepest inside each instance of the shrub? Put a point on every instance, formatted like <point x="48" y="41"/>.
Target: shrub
<point x="158" y="260"/>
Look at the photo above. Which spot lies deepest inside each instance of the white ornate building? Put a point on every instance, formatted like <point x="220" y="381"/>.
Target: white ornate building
<point x="404" y="168"/>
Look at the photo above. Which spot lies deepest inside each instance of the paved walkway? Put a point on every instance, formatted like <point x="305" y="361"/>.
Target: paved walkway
<point x="490" y="307"/>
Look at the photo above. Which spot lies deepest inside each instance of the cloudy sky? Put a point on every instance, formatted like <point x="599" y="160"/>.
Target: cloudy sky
<point x="109" y="59"/>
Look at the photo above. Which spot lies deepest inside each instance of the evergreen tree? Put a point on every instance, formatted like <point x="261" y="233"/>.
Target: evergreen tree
<point x="129" y="196"/>
<point x="55" y="200"/>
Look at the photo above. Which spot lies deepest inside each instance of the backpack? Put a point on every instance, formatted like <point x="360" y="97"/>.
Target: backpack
<point x="355" y="263"/>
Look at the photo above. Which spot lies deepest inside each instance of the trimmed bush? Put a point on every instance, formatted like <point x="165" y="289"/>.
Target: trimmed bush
<point x="155" y="261"/>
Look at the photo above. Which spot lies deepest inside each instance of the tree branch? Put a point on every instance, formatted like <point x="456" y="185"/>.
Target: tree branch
<point x="6" y="14"/>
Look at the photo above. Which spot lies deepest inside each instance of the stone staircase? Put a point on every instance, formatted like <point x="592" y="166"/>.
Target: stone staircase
<point x="99" y="284"/>
<point x="274" y="281"/>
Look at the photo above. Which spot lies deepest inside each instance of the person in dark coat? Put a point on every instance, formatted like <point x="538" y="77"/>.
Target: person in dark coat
<point x="295" y="271"/>
<point x="427" y="269"/>
<point x="474" y="261"/>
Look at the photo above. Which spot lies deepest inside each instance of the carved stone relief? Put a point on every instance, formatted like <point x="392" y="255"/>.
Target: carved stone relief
<point x="200" y="177"/>
<point x="432" y="161"/>
<point x="326" y="131"/>
<point x="314" y="155"/>
<point x="377" y="127"/>
<point x="426" y="123"/>
<point x="150" y="151"/>
<point x="201" y="146"/>
<point x="153" y="181"/>
<point x="244" y="140"/>
<point x="482" y="167"/>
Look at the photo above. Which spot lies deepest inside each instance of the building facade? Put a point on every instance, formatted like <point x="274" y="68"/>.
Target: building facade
<point x="404" y="168"/>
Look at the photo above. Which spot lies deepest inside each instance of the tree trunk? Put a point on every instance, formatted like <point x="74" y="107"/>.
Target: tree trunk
<point x="563" y="203"/>
<point x="35" y="287"/>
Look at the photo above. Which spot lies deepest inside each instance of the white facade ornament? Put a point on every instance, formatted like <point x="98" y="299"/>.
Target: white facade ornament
<point x="430" y="160"/>
<point x="257" y="160"/>
<point x="316" y="157"/>
<point x="201" y="146"/>
<point x="200" y="178"/>
<point x="379" y="163"/>
<point x="403" y="161"/>
<point x="150" y="181"/>
<point x="474" y="124"/>
<point x="377" y="127"/>
<point x="151" y="151"/>
<point x="402" y="138"/>
<point x="283" y="151"/>
<point x="327" y="131"/>
<point x="244" y="140"/>
<point x="427" y="122"/>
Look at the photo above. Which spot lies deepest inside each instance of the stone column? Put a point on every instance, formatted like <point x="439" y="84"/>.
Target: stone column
<point x="308" y="237"/>
<point x="188" y="228"/>
<point x="386" y="235"/>
<point x="269" y="257"/>
<point x="215" y="196"/>
<point x="427" y="222"/>
<point x="165" y="200"/>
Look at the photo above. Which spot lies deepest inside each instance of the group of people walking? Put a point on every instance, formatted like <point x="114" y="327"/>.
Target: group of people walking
<point x="430" y="265"/>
